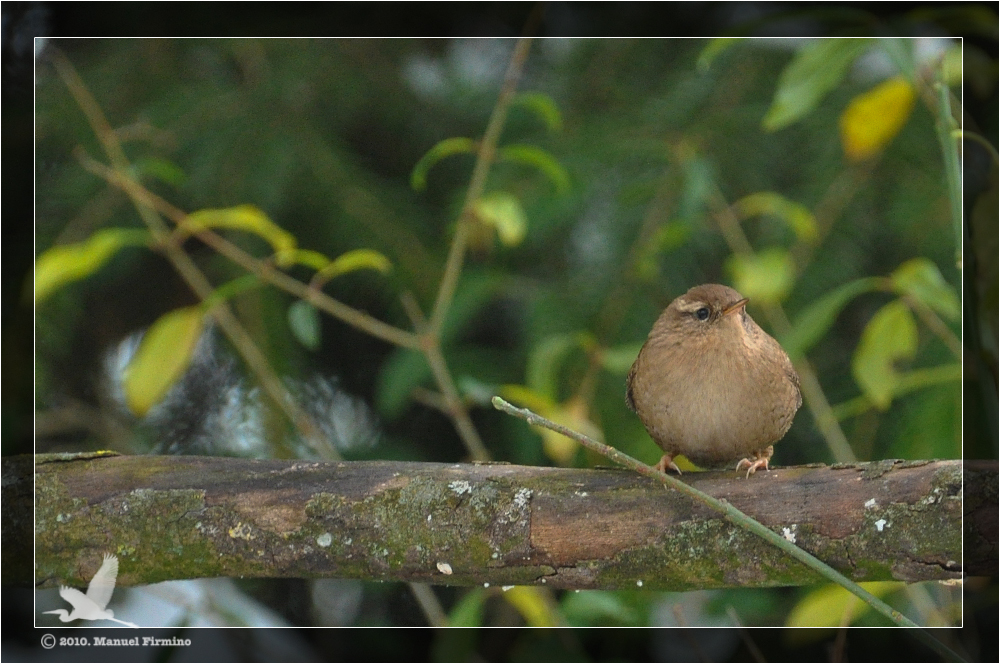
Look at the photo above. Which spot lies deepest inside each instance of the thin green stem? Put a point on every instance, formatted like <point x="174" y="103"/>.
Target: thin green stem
<point x="944" y="123"/>
<point x="734" y="516"/>
<point x="430" y="335"/>
<point x="484" y="160"/>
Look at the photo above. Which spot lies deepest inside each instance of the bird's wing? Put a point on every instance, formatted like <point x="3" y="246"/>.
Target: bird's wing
<point x="103" y="583"/>
<point x="629" y="400"/>
<point x="73" y="596"/>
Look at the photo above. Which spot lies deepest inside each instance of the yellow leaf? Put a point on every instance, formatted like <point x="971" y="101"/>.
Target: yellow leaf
<point x="572" y="414"/>
<point x="309" y="258"/>
<point x="162" y="358"/>
<point x="356" y="259"/>
<point x="66" y="263"/>
<point x="831" y="606"/>
<point x="684" y="463"/>
<point x="504" y="212"/>
<point x="246" y="218"/>
<point x="874" y="118"/>
<point x="532" y="605"/>
<point x="528" y="398"/>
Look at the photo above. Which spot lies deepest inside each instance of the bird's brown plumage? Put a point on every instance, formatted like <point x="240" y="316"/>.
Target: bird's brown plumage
<point x="710" y="384"/>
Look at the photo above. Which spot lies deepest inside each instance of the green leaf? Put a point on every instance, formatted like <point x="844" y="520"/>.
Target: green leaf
<point x="795" y="215"/>
<point x="764" y="277"/>
<point x="713" y="50"/>
<point x="815" y="70"/>
<point x="597" y="607"/>
<point x="814" y="322"/>
<point x="890" y="335"/>
<point x="445" y="148"/>
<point x="161" y="169"/>
<point x="162" y="357"/>
<point x="468" y="611"/>
<point x="541" y="105"/>
<point x="63" y="264"/>
<point x="529" y="398"/>
<point x="247" y="218"/>
<point x="921" y="279"/>
<point x="503" y="211"/>
<point x="619" y="359"/>
<point x="531" y="155"/>
<point x="303" y="320"/>
<point x="833" y="606"/>
<point x="906" y="382"/>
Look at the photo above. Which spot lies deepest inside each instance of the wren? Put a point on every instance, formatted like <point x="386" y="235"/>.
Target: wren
<point x="710" y="384"/>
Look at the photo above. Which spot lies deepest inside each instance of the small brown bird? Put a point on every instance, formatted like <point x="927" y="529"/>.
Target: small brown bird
<point x="711" y="385"/>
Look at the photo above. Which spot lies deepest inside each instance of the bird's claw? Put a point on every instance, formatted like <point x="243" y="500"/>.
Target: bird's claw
<point x="760" y="458"/>
<point x="667" y="461"/>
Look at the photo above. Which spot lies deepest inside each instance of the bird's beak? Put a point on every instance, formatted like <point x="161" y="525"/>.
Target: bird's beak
<point x="733" y="308"/>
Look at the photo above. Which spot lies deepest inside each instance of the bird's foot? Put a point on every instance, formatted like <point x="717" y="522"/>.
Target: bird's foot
<point x="760" y="458"/>
<point x="667" y="461"/>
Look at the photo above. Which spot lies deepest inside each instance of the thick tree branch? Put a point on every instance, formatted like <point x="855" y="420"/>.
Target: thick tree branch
<point x="466" y="524"/>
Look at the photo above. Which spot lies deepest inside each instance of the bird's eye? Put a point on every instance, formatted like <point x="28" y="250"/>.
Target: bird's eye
<point x="702" y="313"/>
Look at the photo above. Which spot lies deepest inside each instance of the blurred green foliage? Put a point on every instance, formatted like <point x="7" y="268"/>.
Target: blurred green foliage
<point x="623" y="158"/>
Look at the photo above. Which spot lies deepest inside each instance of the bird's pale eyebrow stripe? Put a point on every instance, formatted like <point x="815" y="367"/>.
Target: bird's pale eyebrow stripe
<point x="689" y="305"/>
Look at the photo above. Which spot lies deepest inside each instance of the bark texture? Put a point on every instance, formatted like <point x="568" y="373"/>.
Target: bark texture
<point x="465" y="524"/>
